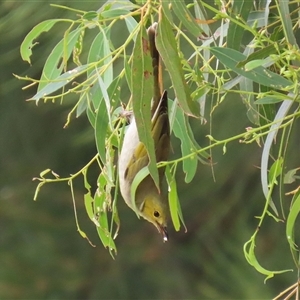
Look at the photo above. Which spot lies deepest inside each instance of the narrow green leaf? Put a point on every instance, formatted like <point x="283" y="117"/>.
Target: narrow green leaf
<point x="254" y="64"/>
<point x="252" y="260"/>
<point x="240" y="11"/>
<point x="88" y="203"/>
<point x="100" y="53"/>
<point x="82" y="105"/>
<point x="167" y="48"/>
<point x="90" y="112"/>
<point x="290" y="223"/>
<point x="260" y="54"/>
<point x="101" y="126"/>
<point x="131" y="24"/>
<point x="275" y="170"/>
<point x="142" y="91"/>
<point x="268" y="100"/>
<point x="113" y="13"/>
<point x="141" y="175"/>
<point x="186" y="18"/>
<point x="128" y="72"/>
<point x="123" y="4"/>
<point x="173" y="199"/>
<point x="114" y="91"/>
<point x="78" y="48"/>
<point x="103" y="88"/>
<point x="167" y="11"/>
<point x="100" y="209"/>
<point x="28" y="43"/>
<point x="61" y="52"/>
<point x="286" y="21"/>
<point x="181" y="131"/>
<point x="230" y="58"/>
<point x="90" y="15"/>
<point x="59" y="82"/>
<point x="103" y="228"/>
<point x="281" y="113"/>
<point x="88" y="199"/>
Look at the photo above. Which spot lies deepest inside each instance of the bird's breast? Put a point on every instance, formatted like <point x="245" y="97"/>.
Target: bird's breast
<point x="130" y="142"/>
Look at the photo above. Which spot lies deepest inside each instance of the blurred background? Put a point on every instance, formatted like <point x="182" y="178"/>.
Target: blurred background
<point x="42" y="256"/>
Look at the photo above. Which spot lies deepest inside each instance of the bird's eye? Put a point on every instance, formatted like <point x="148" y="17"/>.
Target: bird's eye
<point x="156" y="214"/>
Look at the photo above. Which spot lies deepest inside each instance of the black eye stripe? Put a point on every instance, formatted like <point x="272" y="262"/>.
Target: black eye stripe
<point x="156" y="214"/>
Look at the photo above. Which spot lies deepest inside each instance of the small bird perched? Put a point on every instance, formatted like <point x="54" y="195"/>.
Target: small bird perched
<point x="149" y="202"/>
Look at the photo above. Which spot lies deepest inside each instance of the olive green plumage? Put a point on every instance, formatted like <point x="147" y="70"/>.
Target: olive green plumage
<point x="149" y="201"/>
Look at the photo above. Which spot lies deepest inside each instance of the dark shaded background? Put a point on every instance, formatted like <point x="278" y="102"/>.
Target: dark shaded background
<point x="41" y="254"/>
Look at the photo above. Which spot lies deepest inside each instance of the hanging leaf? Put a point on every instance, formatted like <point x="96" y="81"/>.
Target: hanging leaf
<point x="100" y="53"/>
<point x="142" y="92"/>
<point x="139" y="177"/>
<point x="54" y="64"/>
<point x="88" y="199"/>
<point x="275" y="170"/>
<point x="283" y="110"/>
<point x="101" y="126"/>
<point x="28" y="42"/>
<point x="174" y="204"/>
<point x="290" y="224"/>
<point x="240" y="11"/>
<point x="186" y="18"/>
<point x="252" y="260"/>
<point x="167" y="48"/>
<point x="100" y="210"/>
<point x="181" y="132"/>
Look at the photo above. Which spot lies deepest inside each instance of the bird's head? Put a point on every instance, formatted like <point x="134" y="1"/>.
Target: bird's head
<point x="154" y="211"/>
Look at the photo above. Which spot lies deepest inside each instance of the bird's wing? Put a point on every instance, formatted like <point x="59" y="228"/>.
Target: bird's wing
<point x="161" y="137"/>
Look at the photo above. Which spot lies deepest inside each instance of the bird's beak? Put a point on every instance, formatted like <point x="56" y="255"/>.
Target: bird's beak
<point x="163" y="231"/>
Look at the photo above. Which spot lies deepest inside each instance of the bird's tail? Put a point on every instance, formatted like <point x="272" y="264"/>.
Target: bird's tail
<point x="157" y="68"/>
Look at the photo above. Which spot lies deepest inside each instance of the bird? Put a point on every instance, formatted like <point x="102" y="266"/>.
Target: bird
<point x="150" y="201"/>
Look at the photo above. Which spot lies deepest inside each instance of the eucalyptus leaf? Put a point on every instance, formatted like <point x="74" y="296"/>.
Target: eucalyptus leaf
<point x="249" y="252"/>
<point x="230" y="58"/>
<point x="276" y="169"/>
<point x="290" y="223"/>
<point x="142" y="92"/>
<point x="101" y="125"/>
<point x="28" y="42"/>
<point x="263" y="53"/>
<point x="173" y="199"/>
<point x="240" y="11"/>
<point x="60" y="54"/>
<point x="100" y="209"/>
<point x="100" y="53"/>
<point x="167" y="48"/>
<point x="59" y="82"/>
<point x="139" y="177"/>
<point x="186" y="18"/>
<point x="268" y="100"/>
<point x="181" y="132"/>
<point x="281" y="113"/>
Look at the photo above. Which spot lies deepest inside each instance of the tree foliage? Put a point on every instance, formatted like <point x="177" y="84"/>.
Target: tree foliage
<point x="238" y="49"/>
